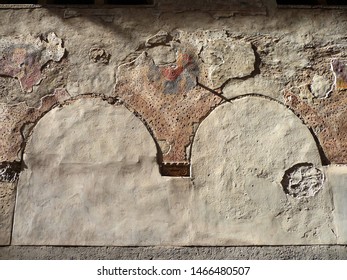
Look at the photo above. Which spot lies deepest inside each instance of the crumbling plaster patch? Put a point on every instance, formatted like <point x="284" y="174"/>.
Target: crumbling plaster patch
<point x="302" y="180"/>
<point x="23" y="57"/>
<point x="291" y="48"/>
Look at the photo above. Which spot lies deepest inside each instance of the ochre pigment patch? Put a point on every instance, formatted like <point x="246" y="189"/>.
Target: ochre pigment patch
<point x="327" y="118"/>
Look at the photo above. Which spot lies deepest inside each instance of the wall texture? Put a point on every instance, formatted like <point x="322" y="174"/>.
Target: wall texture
<point x="216" y="123"/>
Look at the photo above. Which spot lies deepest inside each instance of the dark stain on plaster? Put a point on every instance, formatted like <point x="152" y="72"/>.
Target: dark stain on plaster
<point x="9" y="171"/>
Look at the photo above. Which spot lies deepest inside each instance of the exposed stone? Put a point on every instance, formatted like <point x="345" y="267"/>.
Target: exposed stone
<point x="340" y="72"/>
<point x="92" y="179"/>
<point x="255" y="85"/>
<point x="14" y="117"/>
<point x="320" y="87"/>
<point x="327" y="118"/>
<point x="288" y="57"/>
<point x="227" y="60"/>
<point x="23" y="58"/>
<point x="99" y="55"/>
<point x="167" y="98"/>
<point x="162" y="55"/>
<point x="7" y="201"/>
<point x="161" y="38"/>
<point x="238" y="156"/>
<point x="302" y="180"/>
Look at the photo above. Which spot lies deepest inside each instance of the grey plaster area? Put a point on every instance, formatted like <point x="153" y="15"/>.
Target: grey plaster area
<point x="332" y="252"/>
<point x="100" y="183"/>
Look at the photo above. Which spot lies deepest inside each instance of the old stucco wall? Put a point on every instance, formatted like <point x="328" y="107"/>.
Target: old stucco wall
<point x="173" y="125"/>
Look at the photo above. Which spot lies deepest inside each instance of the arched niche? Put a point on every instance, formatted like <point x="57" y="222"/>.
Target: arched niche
<point x="239" y="156"/>
<point x="92" y="178"/>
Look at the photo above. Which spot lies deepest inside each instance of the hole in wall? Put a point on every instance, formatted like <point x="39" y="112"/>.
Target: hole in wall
<point x="302" y="180"/>
<point x="175" y="169"/>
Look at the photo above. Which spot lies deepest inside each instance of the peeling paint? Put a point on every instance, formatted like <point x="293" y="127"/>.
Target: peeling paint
<point x="24" y="57"/>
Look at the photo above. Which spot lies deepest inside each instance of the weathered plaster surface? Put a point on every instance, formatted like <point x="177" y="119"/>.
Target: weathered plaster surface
<point x="177" y="66"/>
<point x="92" y="179"/>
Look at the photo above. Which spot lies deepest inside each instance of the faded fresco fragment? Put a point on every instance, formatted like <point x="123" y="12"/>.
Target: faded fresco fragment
<point x="24" y="57"/>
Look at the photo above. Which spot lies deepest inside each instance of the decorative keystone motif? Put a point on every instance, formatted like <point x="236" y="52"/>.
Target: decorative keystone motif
<point x="23" y="58"/>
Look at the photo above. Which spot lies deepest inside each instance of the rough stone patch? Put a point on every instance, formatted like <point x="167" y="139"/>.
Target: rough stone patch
<point x="228" y="60"/>
<point x="7" y="201"/>
<point x="14" y="117"/>
<point x="99" y="55"/>
<point x="162" y="37"/>
<point x="320" y="87"/>
<point x="302" y="180"/>
<point x="23" y="57"/>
